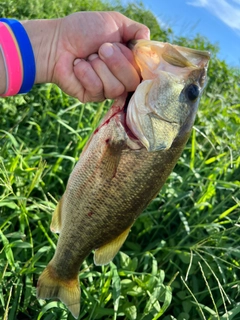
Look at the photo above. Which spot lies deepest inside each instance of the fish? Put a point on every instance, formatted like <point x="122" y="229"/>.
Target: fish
<point x="123" y="166"/>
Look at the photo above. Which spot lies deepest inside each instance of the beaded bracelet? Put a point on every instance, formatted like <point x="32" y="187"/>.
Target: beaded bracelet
<point x="17" y="41"/>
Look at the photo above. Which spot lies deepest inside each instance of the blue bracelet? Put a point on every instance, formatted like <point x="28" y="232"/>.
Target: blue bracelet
<point x="25" y="47"/>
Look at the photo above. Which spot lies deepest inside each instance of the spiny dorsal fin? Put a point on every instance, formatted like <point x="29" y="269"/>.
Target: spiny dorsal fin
<point x="106" y="253"/>
<point x="56" y="224"/>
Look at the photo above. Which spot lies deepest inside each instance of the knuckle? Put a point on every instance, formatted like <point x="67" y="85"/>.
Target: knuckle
<point x="82" y="69"/>
<point x="81" y="98"/>
<point x="115" y="91"/>
<point x="89" y="97"/>
<point x="97" y="98"/>
<point x="118" y="66"/>
<point x="97" y="87"/>
<point x="132" y="85"/>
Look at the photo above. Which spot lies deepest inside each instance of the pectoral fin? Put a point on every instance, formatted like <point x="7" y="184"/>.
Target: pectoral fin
<point x="56" y="224"/>
<point x="111" y="164"/>
<point x="106" y="253"/>
<point x="112" y="149"/>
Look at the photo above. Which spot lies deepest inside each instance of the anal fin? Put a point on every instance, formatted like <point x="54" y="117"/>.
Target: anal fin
<point x="106" y="253"/>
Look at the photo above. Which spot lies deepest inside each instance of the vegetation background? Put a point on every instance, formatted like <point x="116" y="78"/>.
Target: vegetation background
<point x="182" y="258"/>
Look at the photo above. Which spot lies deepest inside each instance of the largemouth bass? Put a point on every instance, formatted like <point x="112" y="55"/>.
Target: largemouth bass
<point x="124" y="165"/>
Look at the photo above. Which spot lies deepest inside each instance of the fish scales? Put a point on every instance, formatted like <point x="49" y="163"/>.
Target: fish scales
<point x="124" y="164"/>
<point x="110" y="214"/>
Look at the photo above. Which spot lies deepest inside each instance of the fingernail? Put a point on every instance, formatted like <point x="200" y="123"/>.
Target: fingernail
<point x="76" y="61"/>
<point x="92" y="57"/>
<point x="147" y="32"/>
<point x="106" y="50"/>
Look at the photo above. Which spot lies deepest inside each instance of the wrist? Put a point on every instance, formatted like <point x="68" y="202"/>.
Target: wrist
<point x="43" y="37"/>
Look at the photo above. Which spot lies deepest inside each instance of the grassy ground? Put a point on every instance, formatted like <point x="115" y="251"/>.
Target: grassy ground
<point x="182" y="257"/>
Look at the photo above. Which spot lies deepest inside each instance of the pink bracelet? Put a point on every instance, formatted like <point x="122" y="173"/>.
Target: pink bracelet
<point x="12" y="60"/>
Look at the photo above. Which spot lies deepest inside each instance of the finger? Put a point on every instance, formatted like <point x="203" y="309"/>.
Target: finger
<point x="133" y="30"/>
<point x="112" y="87"/>
<point x="89" y="80"/>
<point x="65" y="78"/>
<point x="118" y="63"/>
<point x="129" y="55"/>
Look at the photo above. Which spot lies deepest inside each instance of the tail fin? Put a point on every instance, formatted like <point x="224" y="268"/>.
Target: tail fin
<point x="68" y="291"/>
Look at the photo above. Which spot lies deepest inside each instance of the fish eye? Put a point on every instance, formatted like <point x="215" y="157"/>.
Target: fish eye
<point x="192" y="92"/>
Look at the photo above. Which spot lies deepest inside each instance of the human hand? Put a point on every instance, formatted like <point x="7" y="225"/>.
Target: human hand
<point x="106" y="74"/>
<point x="77" y="49"/>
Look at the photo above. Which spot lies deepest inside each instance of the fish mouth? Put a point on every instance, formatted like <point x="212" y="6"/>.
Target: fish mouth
<point x="157" y="111"/>
<point x="153" y="117"/>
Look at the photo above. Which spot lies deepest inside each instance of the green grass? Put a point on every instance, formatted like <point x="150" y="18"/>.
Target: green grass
<point x="182" y="257"/>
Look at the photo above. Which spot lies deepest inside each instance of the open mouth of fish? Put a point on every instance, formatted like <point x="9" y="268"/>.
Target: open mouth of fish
<point x="173" y="79"/>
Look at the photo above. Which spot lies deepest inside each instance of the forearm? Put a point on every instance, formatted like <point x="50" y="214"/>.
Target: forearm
<point x="43" y="38"/>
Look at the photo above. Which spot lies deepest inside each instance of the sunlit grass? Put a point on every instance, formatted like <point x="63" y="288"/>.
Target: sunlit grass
<point x="182" y="257"/>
